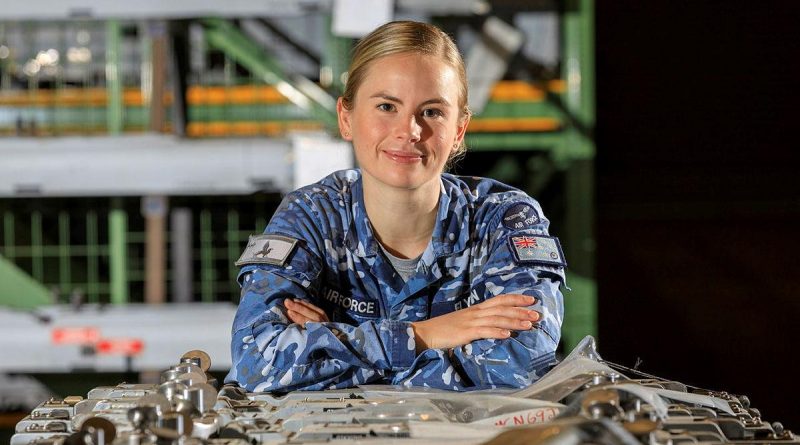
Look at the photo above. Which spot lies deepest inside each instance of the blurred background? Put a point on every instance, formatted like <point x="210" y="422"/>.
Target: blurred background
<point x="141" y="144"/>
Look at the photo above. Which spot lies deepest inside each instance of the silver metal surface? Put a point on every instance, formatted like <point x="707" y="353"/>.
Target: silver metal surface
<point x="142" y="165"/>
<point x="603" y="410"/>
<point x="30" y="342"/>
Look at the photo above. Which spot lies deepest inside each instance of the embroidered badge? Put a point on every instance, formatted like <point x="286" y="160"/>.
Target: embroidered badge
<point x="267" y="249"/>
<point x="533" y="249"/>
<point x="520" y="216"/>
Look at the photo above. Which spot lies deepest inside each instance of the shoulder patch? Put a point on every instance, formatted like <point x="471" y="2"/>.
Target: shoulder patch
<point x="520" y="216"/>
<point x="267" y="249"/>
<point x="537" y="249"/>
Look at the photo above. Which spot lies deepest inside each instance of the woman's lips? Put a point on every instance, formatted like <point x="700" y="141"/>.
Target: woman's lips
<point x="403" y="157"/>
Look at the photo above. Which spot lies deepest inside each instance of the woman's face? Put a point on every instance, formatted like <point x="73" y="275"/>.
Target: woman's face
<point x="404" y="122"/>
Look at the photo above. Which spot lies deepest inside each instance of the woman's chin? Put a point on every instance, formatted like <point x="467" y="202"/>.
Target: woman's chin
<point x="403" y="178"/>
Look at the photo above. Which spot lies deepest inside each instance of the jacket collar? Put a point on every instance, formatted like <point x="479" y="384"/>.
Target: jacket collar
<point x="360" y="239"/>
<point x="450" y="234"/>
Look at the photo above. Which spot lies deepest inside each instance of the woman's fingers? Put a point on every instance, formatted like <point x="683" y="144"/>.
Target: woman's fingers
<point x="301" y="312"/>
<point x="508" y="300"/>
<point x="494" y="333"/>
<point x="501" y="322"/>
<point x="310" y="307"/>
<point x="297" y="317"/>
<point x="495" y="318"/>
<point x="519" y="313"/>
<point x="507" y="311"/>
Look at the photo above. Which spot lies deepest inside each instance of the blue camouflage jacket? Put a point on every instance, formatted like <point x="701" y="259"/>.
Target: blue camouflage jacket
<point x="489" y="239"/>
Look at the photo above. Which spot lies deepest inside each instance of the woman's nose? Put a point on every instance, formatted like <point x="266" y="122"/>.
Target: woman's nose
<point x="409" y="129"/>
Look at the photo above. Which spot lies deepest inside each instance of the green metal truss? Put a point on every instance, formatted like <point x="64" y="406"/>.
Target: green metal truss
<point x="224" y="36"/>
<point x="113" y="77"/>
<point x="577" y="153"/>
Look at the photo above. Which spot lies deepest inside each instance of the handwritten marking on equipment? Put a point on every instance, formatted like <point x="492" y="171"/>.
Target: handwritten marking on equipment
<point x="525" y="417"/>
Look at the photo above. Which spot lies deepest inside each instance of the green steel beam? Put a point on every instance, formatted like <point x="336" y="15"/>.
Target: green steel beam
<point x="579" y="60"/>
<point x="576" y="154"/>
<point x="113" y="77"/>
<point x="336" y="58"/>
<point x="207" y="275"/>
<point x="118" y="255"/>
<point x="578" y="72"/>
<point x="235" y="243"/>
<point x="37" y="251"/>
<point x="223" y="35"/>
<point x="579" y="245"/>
<point x="64" y="253"/>
<point x="246" y="112"/>
<point x="580" y="315"/>
<point x="19" y="290"/>
<point x="520" y="109"/>
<point x="8" y="234"/>
<point x="92" y="254"/>
<point x="514" y="141"/>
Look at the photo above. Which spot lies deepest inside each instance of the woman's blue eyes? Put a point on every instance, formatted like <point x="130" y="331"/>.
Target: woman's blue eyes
<point x="428" y="112"/>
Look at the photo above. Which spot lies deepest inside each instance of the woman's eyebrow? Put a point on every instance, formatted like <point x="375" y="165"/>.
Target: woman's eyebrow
<point x="386" y="97"/>
<point x="435" y="100"/>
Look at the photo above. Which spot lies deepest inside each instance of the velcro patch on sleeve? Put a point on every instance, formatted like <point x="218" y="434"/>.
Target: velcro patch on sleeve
<point x="267" y="249"/>
<point x="537" y="249"/>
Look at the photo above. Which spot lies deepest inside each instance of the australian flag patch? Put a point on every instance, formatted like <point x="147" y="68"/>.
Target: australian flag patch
<point x="537" y="249"/>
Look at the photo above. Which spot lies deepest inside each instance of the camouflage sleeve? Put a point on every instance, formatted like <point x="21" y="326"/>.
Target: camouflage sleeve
<point x="270" y="353"/>
<point x="525" y="357"/>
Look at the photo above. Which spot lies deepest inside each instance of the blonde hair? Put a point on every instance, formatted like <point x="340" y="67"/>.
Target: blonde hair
<point x="406" y="37"/>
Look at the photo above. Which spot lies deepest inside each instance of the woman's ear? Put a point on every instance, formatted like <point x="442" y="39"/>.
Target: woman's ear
<point x="461" y="129"/>
<point x="344" y="116"/>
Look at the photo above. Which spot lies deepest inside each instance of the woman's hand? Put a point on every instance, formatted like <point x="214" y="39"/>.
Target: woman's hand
<point x="301" y="312"/>
<point x="494" y="318"/>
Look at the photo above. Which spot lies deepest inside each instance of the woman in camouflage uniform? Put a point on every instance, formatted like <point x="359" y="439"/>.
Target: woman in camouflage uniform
<point x="397" y="272"/>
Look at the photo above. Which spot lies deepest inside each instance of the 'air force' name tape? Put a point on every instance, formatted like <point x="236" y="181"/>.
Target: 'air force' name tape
<point x="267" y="249"/>
<point x="364" y="308"/>
<point x="537" y="249"/>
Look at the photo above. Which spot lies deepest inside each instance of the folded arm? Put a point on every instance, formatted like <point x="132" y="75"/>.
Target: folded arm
<point x="514" y="360"/>
<point x="468" y="350"/>
<point x="272" y="353"/>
